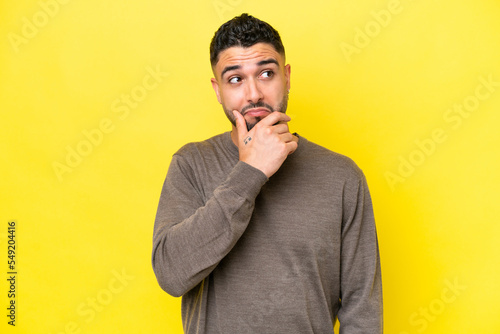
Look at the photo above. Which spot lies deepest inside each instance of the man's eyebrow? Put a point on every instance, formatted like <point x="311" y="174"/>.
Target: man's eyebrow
<point x="268" y="61"/>
<point x="229" y="68"/>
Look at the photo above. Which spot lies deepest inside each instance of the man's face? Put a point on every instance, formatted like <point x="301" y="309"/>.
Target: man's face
<point x="253" y="81"/>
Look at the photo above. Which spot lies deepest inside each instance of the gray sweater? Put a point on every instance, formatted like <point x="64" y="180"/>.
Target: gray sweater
<point x="288" y="254"/>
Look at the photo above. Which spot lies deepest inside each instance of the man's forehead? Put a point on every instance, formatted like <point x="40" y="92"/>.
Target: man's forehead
<point x="237" y="55"/>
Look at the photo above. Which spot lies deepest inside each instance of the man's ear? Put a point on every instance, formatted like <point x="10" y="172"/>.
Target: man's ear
<point x="215" y="86"/>
<point x="287" y="76"/>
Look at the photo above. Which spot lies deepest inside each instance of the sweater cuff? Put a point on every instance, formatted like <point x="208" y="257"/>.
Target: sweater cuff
<point x="245" y="180"/>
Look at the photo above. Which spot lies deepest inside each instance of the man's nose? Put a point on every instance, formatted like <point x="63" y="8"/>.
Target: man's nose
<point x="254" y="92"/>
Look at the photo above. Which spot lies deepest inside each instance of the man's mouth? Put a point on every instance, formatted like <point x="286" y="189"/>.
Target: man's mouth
<point x="257" y="112"/>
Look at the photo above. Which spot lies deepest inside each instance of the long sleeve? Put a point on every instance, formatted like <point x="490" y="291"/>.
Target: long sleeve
<point x="192" y="235"/>
<point x="361" y="310"/>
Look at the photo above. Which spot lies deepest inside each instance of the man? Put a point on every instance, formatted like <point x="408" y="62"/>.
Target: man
<point x="260" y="230"/>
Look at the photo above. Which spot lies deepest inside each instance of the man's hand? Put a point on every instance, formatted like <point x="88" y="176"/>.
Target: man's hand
<point x="268" y="144"/>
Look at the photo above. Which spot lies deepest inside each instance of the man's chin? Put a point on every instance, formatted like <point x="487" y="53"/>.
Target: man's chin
<point x="251" y="125"/>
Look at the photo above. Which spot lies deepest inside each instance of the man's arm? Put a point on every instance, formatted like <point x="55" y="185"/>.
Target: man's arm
<point x="190" y="238"/>
<point x="361" y="308"/>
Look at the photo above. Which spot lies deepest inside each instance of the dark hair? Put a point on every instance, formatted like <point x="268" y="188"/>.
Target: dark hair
<point x="245" y="31"/>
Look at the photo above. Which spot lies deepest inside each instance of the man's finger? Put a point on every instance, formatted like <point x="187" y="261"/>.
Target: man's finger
<point x="292" y="146"/>
<point x="241" y="124"/>
<point x="286" y="137"/>
<point x="274" y="118"/>
<point x="281" y="128"/>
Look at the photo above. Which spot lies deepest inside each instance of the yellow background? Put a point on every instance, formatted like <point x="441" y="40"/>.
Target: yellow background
<point x="80" y="230"/>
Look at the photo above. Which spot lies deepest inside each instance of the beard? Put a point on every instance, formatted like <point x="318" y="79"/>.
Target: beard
<point x="281" y="108"/>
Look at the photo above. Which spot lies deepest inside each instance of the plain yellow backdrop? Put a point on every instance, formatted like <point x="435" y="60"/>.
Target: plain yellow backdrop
<point x="96" y="96"/>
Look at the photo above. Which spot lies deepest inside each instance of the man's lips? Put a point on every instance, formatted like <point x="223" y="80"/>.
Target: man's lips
<point x="257" y="112"/>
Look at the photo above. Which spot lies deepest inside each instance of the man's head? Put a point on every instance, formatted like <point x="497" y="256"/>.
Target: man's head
<point x="248" y="62"/>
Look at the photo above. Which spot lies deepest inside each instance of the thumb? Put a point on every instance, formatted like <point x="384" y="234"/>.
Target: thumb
<point x="241" y="124"/>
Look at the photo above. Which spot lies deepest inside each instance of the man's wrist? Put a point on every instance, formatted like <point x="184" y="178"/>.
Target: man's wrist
<point x="246" y="180"/>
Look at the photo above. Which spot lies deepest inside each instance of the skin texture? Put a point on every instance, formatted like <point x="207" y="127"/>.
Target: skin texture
<point x="252" y="86"/>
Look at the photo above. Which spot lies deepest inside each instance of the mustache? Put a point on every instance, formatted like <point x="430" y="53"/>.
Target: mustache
<point x="259" y="104"/>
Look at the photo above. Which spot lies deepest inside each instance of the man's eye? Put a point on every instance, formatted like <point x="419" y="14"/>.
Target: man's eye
<point x="267" y="74"/>
<point x="234" y="80"/>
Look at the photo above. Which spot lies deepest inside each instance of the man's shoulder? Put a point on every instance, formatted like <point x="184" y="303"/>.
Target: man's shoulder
<point x="327" y="160"/>
<point x="203" y="147"/>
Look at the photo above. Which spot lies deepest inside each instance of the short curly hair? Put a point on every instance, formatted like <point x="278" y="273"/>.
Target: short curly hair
<point x="245" y="31"/>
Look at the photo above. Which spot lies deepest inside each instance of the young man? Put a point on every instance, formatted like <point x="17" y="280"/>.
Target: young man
<point x="260" y="230"/>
